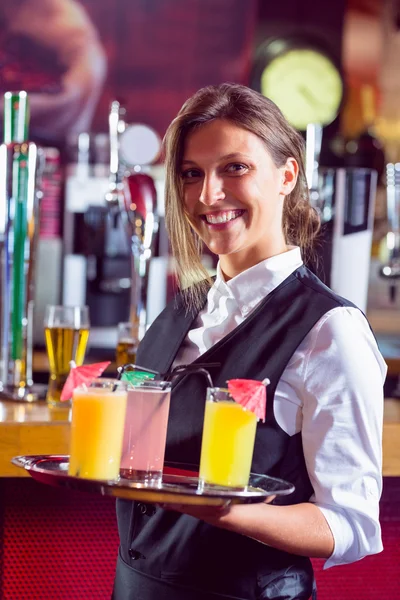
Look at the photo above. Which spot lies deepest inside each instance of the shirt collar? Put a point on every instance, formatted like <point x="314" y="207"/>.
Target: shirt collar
<point x="249" y="287"/>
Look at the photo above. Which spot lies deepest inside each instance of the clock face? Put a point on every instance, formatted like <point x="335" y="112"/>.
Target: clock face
<point x="306" y="86"/>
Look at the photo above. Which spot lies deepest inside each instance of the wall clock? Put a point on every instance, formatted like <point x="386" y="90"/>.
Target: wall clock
<point x="301" y="78"/>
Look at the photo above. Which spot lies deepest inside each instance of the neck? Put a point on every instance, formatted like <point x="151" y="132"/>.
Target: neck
<point x="234" y="264"/>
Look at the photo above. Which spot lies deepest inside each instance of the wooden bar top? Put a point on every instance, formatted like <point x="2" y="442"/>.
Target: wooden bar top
<point x="31" y="428"/>
<point x="35" y="428"/>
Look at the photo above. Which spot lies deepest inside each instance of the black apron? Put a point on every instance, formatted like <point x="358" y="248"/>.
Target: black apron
<point x="164" y="554"/>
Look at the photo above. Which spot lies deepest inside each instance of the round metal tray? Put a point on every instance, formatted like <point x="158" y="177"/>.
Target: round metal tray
<point x="178" y="486"/>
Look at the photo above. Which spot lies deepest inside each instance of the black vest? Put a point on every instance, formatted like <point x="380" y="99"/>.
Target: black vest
<point x="184" y="551"/>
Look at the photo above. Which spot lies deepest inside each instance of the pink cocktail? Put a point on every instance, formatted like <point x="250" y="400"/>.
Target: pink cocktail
<point x="145" y="433"/>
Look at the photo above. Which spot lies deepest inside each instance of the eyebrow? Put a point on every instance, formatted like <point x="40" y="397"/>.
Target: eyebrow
<point x="225" y="157"/>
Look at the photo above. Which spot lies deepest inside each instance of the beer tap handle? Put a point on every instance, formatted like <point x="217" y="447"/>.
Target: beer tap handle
<point x="114" y="194"/>
<point x="393" y="196"/>
<point x="313" y="153"/>
<point x="113" y="121"/>
<point x="138" y="147"/>
<point x="390" y="270"/>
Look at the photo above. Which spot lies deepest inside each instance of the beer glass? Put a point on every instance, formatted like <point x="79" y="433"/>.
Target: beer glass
<point x="127" y="344"/>
<point x="66" y="331"/>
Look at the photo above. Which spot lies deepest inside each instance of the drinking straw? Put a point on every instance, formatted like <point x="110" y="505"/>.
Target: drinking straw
<point x="175" y="375"/>
<point x="190" y="366"/>
<point x="133" y="366"/>
<point x="136" y="373"/>
<point x="179" y="372"/>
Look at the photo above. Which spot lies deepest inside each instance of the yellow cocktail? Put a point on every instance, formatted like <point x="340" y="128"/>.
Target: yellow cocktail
<point x="228" y="441"/>
<point x="97" y="428"/>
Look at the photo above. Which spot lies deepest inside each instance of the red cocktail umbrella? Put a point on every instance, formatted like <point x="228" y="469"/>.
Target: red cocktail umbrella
<point x="81" y="375"/>
<point x="250" y="394"/>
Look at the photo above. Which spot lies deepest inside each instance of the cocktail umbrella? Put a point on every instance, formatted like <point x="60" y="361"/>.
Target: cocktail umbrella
<point x="250" y="394"/>
<point x="135" y="374"/>
<point x="81" y="375"/>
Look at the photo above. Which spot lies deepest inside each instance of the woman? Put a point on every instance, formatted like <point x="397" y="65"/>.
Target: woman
<point x="236" y="181"/>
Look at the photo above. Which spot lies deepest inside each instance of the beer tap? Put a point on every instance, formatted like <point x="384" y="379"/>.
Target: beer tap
<point x="132" y="196"/>
<point x="21" y="166"/>
<point x="391" y="269"/>
<point x="141" y="210"/>
<point x="114" y="195"/>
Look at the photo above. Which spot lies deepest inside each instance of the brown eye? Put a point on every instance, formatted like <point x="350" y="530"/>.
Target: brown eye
<point x="236" y="168"/>
<point x="190" y="174"/>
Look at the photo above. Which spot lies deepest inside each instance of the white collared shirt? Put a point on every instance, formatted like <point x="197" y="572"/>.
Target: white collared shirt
<point x="331" y="391"/>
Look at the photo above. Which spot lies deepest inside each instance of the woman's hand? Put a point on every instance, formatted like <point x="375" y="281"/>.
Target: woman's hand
<point x="209" y="514"/>
<point x="219" y="516"/>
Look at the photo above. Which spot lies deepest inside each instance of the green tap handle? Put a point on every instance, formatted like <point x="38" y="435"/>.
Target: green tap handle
<point x="20" y="226"/>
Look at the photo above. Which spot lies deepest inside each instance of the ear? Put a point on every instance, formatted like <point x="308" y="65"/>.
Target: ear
<point x="289" y="173"/>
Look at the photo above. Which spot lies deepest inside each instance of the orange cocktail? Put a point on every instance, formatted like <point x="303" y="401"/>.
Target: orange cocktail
<point x="228" y="441"/>
<point x="97" y="428"/>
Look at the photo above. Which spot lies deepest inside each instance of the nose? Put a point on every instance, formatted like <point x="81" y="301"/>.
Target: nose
<point x="212" y="190"/>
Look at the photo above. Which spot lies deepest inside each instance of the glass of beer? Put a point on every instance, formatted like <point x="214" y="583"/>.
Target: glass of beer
<point x="66" y="331"/>
<point x="127" y="344"/>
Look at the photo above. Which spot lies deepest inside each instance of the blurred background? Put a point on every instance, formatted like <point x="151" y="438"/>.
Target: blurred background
<point x="151" y="55"/>
<point x="333" y="64"/>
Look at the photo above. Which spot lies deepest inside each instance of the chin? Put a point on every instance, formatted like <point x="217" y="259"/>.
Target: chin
<point x="222" y="250"/>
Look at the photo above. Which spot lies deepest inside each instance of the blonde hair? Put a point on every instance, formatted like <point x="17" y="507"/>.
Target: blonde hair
<point x="250" y="110"/>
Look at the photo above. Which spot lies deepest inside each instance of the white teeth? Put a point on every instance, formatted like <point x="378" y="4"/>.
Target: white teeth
<point x="224" y="217"/>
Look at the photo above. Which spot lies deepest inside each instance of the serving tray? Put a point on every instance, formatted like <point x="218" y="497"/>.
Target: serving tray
<point x="178" y="486"/>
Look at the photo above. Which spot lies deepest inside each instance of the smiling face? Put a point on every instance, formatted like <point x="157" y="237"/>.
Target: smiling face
<point x="233" y="194"/>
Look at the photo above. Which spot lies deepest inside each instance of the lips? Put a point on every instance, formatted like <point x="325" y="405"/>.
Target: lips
<point x="219" y="217"/>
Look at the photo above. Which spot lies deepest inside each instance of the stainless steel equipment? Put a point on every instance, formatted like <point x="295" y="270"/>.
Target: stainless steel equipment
<point x="111" y="240"/>
<point x="390" y="270"/>
<point x="345" y="199"/>
<point x="19" y="220"/>
<point x="132" y="194"/>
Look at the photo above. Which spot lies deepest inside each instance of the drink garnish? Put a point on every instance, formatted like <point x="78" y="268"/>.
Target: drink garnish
<point x="83" y="375"/>
<point x="135" y="374"/>
<point x="251" y="394"/>
<point x="135" y="377"/>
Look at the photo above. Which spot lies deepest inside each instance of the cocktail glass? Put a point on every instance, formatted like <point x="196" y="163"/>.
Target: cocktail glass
<point x="228" y="441"/>
<point x="97" y="429"/>
<point x="145" y="432"/>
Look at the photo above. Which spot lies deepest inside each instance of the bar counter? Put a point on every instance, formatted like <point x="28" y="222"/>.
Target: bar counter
<point x="31" y="428"/>
<point x="36" y="428"/>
